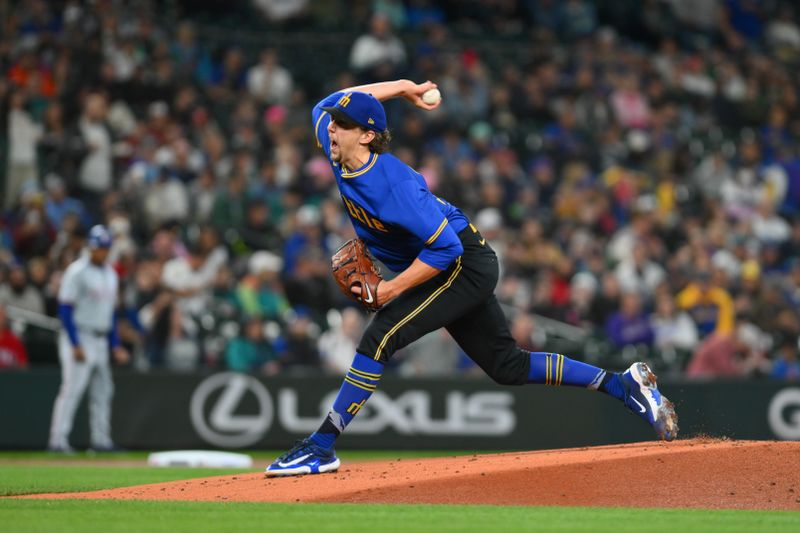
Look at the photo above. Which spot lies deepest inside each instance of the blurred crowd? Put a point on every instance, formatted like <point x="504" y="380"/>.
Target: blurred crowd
<point x="635" y="165"/>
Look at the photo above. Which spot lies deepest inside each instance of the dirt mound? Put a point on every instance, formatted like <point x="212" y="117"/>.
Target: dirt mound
<point x="699" y="473"/>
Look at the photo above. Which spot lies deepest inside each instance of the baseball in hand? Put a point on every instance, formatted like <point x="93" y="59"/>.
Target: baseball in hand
<point x="431" y="96"/>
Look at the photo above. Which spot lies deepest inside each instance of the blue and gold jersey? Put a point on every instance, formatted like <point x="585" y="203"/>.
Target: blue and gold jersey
<point x="391" y="207"/>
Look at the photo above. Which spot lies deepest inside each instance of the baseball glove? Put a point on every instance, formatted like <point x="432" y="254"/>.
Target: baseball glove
<point x="353" y="266"/>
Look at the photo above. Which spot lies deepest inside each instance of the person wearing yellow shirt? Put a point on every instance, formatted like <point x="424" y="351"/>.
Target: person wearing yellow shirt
<point x="710" y="306"/>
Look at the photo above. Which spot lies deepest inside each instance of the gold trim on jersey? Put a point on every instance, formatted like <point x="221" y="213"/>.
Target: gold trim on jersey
<point x="368" y="166"/>
<point x="416" y="311"/>
<point x="316" y="128"/>
<point x="436" y="233"/>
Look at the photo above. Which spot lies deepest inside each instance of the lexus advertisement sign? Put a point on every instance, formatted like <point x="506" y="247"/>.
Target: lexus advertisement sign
<point x="239" y="411"/>
<point x="232" y="410"/>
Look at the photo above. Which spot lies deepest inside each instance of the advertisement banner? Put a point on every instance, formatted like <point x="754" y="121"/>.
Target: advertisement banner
<point x="238" y="411"/>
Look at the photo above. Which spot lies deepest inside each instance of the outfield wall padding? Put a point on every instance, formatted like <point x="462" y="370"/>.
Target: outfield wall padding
<point x="236" y="411"/>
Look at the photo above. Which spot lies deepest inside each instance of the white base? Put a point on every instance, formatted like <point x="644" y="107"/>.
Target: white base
<point x="200" y="459"/>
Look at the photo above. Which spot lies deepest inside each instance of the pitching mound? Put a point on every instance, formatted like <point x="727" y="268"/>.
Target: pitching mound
<point x="690" y="473"/>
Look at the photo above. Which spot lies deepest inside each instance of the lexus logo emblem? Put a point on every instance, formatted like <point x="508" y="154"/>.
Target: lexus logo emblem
<point x="219" y="424"/>
<point x="784" y="414"/>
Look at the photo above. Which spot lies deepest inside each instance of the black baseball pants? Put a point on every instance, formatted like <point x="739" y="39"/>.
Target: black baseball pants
<point x="460" y="299"/>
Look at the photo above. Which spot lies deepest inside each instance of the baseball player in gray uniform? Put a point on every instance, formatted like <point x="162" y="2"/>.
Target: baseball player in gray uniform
<point x="87" y="339"/>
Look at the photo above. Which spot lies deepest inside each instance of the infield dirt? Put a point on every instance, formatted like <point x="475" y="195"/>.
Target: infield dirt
<point x="697" y="473"/>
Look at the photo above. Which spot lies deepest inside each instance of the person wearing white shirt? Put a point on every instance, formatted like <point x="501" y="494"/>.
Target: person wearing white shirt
<point x="186" y="277"/>
<point x="95" y="173"/>
<point x="268" y="81"/>
<point x="377" y="48"/>
<point x="769" y="227"/>
<point x="639" y="274"/>
<point x="673" y="329"/>
<point x="23" y="134"/>
<point x="336" y="346"/>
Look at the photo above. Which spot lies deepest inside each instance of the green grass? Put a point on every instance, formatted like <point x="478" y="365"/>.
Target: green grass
<point x="173" y="517"/>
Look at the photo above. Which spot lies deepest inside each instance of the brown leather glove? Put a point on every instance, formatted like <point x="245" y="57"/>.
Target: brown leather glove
<point x="353" y="266"/>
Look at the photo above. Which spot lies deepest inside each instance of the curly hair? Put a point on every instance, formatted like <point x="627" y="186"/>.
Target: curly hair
<point x="380" y="144"/>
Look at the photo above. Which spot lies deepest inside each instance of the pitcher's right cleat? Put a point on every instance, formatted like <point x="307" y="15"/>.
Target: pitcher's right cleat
<point x="643" y="398"/>
<point x="305" y="457"/>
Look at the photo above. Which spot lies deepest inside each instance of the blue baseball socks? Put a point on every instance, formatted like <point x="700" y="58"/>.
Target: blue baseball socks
<point x="556" y="369"/>
<point x="546" y="368"/>
<point x="359" y="384"/>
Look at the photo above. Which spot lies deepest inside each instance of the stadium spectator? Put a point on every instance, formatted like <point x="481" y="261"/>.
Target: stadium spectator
<point x="250" y="351"/>
<point x="60" y="147"/>
<point x="435" y="354"/>
<point x="230" y="206"/>
<point x="338" y="344"/>
<point x="12" y="351"/>
<point x="173" y="340"/>
<point x="23" y="134"/>
<point x="189" y="280"/>
<point x="783" y="34"/>
<point x="607" y="301"/>
<point x="269" y="81"/>
<point x="258" y="231"/>
<point x="299" y="346"/>
<point x="378" y="54"/>
<point x="729" y="355"/>
<point x="260" y="293"/>
<point x="18" y="292"/>
<point x="711" y="307"/>
<point x="785" y="365"/>
<point x="165" y="200"/>
<point x="32" y="233"/>
<point x="95" y="175"/>
<point x="629" y="103"/>
<point x="307" y="235"/>
<point x="638" y="273"/>
<point x="630" y="325"/>
<point x="673" y="329"/>
<point x="58" y="204"/>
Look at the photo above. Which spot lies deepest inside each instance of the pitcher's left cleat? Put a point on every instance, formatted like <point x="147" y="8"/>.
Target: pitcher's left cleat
<point x="643" y="398"/>
<point x="305" y="457"/>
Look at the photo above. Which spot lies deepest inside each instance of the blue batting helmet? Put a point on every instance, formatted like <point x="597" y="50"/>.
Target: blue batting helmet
<point x="99" y="237"/>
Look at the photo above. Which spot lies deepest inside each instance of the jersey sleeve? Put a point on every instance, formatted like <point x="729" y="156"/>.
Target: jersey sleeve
<point x="320" y="120"/>
<point x="414" y="208"/>
<point x="69" y="289"/>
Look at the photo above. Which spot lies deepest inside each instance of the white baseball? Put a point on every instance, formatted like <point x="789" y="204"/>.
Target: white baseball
<point x="431" y="96"/>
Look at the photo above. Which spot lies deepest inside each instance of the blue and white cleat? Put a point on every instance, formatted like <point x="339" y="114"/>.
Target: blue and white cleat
<point x="305" y="457"/>
<point x="643" y="398"/>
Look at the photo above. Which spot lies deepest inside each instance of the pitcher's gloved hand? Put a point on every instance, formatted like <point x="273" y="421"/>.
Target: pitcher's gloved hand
<point x="353" y="267"/>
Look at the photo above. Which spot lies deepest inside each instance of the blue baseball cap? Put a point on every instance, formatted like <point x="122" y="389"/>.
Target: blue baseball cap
<point x="99" y="237"/>
<point x="359" y="108"/>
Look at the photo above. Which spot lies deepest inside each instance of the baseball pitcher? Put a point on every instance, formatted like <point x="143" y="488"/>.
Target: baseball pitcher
<point x="447" y="275"/>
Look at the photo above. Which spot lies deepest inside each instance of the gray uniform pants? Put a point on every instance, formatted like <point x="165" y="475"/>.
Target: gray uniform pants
<point x="94" y="372"/>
